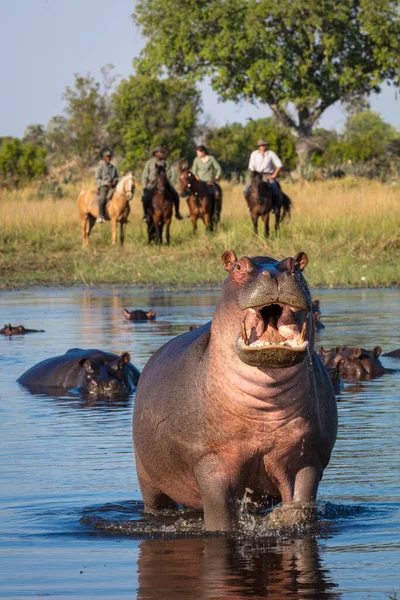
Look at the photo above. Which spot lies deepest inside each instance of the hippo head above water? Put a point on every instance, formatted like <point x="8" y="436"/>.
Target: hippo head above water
<point x="270" y="305"/>
<point x="104" y="379"/>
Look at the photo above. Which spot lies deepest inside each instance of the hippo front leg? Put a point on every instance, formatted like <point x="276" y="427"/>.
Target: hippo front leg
<point x="299" y="500"/>
<point x="215" y="490"/>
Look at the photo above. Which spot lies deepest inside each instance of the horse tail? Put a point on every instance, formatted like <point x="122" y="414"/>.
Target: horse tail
<point x="286" y="206"/>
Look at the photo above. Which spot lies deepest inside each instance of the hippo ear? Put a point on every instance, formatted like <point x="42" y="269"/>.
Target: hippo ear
<point x="340" y="365"/>
<point x="86" y="365"/>
<point x="125" y="357"/>
<point x="357" y="353"/>
<point x="151" y="314"/>
<point x="377" y="351"/>
<point x="300" y="261"/>
<point x="228" y="259"/>
<point x="338" y="349"/>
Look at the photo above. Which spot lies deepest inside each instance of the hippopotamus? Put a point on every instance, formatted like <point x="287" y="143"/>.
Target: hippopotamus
<point x="250" y="409"/>
<point x="92" y="372"/>
<point x="317" y="315"/>
<point x="393" y="353"/>
<point x="354" y="363"/>
<point x="140" y="315"/>
<point x="10" y="330"/>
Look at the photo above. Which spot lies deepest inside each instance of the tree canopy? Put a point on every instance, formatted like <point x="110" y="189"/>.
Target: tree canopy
<point x="20" y="161"/>
<point x="291" y="53"/>
<point x="146" y="111"/>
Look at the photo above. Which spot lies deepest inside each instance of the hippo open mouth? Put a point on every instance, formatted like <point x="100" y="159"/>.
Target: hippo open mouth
<point x="273" y="335"/>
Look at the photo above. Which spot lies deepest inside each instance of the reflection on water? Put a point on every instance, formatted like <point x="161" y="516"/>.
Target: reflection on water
<point x="63" y="459"/>
<point x="216" y="567"/>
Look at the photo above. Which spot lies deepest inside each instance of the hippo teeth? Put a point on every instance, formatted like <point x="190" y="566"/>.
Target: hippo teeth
<point x="244" y="334"/>
<point x="303" y="334"/>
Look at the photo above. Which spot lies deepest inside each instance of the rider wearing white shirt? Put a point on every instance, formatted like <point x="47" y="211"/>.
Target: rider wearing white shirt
<point x="266" y="162"/>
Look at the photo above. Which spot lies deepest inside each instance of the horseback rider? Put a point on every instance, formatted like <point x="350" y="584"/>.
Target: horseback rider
<point x="267" y="163"/>
<point x="149" y="181"/>
<point x="106" y="181"/>
<point x="206" y="168"/>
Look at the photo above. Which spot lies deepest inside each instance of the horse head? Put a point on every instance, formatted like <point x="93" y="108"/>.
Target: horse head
<point x="126" y="186"/>
<point x="161" y="177"/>
<point x="258" y="186"/>
<point x="185" y="182"/>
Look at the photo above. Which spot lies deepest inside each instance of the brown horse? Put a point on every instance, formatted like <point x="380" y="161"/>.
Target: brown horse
<point x="117" y="209"/>
<point x="261" y="200"/>
<point x="202" y="203"/>
<point x="160" y="209"/>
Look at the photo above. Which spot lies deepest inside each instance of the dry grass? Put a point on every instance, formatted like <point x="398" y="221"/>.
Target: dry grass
<point x="350" y="229"/>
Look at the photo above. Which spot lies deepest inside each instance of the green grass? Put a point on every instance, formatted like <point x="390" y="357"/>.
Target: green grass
<point x="350" y="230"/>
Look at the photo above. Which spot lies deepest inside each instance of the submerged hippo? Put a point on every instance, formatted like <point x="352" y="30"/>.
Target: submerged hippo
<point x="93" y="372"/>
<point x="10" y="330"/>
<point x="250" y="408"/>
<point x="354" y="363"/>
<point x="140" y="315"/>
<point x="393" y="353"/>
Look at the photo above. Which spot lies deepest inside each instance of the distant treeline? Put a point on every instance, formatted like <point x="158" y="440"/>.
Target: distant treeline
<point x="144" y="111"/>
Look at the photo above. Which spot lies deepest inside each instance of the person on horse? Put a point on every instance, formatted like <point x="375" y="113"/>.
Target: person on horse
<point x="149" y="181"/>
<point x="206" y="167"/>
<point x="106" y="181"/>
<point x="267" y="163"/>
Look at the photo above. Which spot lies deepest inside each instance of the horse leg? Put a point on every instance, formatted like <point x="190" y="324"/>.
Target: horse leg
<point x="277" y="221"/>
<point x="254" y="218"/>
<point x="193" y="218"/>
<point x="266" y="225"/>
<point x="122" y="226"/>
<point x="84" y="225"/>
<point x="113" y="230"/>
<point x="161" y="228"/>
<point x="208" y="222"/>
<point x="167" y="234"/>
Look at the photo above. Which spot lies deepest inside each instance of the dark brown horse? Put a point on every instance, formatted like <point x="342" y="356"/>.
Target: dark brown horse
<point x="203" y="204"/>
<point x="160" y="209"/>
<point x="261" y="200"/>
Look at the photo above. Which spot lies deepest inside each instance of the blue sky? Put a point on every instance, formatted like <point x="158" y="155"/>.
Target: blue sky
<point x="44" y="42"/>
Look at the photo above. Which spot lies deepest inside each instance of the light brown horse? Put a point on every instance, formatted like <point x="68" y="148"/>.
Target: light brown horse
<point x="202" y="204"/>
<point x="117" y="209"/>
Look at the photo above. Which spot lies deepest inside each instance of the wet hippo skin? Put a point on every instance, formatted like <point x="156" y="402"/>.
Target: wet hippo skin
<point x="250" y="405"/>
<point x="91" y="371"/>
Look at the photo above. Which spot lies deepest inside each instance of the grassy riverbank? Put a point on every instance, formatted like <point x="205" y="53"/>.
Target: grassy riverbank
<point x="350" y="229"/>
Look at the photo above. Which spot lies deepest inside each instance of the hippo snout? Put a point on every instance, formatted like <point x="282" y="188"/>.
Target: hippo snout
<point x="270" y="287"/>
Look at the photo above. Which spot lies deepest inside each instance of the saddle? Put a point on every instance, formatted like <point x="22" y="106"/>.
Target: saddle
<point x="95" y="201"/>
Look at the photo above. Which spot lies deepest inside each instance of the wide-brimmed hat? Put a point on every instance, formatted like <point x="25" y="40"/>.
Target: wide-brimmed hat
<point x="158" y="149"/>
<point x="106" y="153"/>
<point x="261" y="142"/>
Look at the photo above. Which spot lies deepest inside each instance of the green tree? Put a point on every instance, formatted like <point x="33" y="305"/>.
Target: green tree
<point x="291" y="53"/>
<point x="21" y="161"/>
<point x="58" y="139"/>
<point x="147" y="112"/>
<point x="35" y="134"/>
<point x="232" y="144"/>
<point x="366" y="136"/>
<point x="87" y="114"/>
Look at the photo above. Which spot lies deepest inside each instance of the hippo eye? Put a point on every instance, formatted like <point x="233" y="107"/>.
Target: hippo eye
<point x="238" y="267"/>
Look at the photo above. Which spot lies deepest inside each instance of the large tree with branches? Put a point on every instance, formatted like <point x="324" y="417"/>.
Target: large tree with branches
<point x="297" y="56"/>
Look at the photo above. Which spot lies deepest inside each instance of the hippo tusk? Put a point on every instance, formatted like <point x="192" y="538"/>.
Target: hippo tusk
<point x="244" y="334"/>
<point x="303" y="334"/>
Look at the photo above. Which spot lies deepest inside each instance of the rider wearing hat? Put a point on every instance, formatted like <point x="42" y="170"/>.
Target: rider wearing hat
<point x="267" y="163"/>
<point x="149" y="181"/>
<point x="106" y="181"/>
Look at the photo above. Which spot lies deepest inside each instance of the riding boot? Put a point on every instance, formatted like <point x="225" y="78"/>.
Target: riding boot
<point x="175" y="200"/>
<point x="103" y="192"/>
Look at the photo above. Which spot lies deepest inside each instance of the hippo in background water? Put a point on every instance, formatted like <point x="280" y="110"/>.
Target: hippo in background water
<point x="10" y="330"/>
<point x="250" y="409"/>
<point x="354" y="363"/>
<point x="92" y="372"/>
<point x="317" y="315"/>
<point x="140" y="315"/>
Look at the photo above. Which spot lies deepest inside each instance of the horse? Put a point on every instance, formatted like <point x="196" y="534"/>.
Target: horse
<point x="202" y="203"/>
<point x="117" y="209"/>
<point x="261" y="200"/>
<point x="160" y="209"/>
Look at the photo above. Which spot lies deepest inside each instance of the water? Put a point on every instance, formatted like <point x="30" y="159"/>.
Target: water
<point x="67" y="466"/>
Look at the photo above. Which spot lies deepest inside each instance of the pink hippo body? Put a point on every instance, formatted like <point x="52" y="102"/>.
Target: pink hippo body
<point x="250" y="409"/>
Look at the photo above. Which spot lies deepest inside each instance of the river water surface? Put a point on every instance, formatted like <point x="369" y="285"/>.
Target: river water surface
<point x="67" y="466"/>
